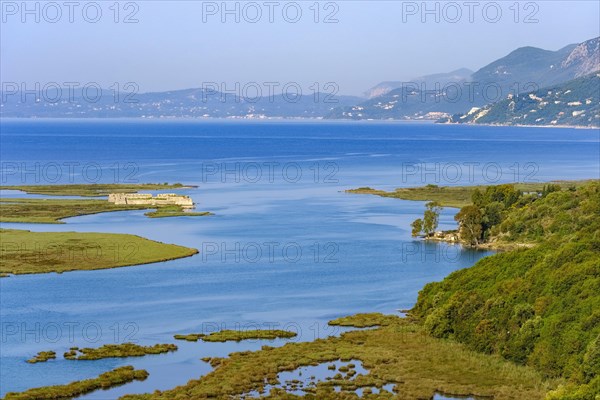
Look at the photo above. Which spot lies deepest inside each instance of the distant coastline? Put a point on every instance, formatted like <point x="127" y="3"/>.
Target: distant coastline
<point x="286" y="119"/>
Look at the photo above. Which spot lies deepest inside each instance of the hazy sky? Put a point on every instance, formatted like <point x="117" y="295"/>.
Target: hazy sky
<point x="183" y="44"/>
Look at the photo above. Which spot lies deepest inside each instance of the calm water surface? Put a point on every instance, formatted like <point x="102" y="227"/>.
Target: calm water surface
<point x="287" y="248"/>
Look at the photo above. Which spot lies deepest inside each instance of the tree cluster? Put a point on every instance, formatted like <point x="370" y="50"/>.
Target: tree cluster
<point x="429" y="223"/>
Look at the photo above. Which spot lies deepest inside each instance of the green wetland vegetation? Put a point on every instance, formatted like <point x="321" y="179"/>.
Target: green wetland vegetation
<point x="190" y="337"/>
<point x="42" y="356"/>
<point x="117" y="350"/>
<point x="52" y="211"/>
<point x="26" y="252"/>
<point x="399" y="352"/>
<point x="367" y="320"/>
<point x="175" y="211"/>
<point x="238" y="335"/>
<point x="92" y="190"/>
<point x="107" y="380"/>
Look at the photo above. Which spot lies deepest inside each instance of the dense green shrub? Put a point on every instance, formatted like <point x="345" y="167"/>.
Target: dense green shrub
<point x="538" y="306"/>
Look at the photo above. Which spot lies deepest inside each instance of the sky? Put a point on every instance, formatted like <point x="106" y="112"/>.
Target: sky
<point x="353" y="44"/>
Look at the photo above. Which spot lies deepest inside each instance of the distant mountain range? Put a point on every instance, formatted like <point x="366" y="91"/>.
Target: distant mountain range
<point x="573" y="103"/>
<point x="524" y="70"/>
<point x="451" y="96"/>
<point x="460" y="75"/>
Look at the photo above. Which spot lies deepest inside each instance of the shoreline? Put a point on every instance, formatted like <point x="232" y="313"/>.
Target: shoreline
<point x="522" y="125"/>
<point x="287" y="119"/>
<point x="492" y="246"/>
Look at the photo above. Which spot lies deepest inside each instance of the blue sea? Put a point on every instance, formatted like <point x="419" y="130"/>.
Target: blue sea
<point x="286" y="248"/>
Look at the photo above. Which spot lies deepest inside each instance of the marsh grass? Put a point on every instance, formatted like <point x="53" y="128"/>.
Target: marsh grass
<point x="116" y="377"/>
<point x="92" y="190"/>
<point x="238" y="335"/>
<point x="367" y="320"/>
<point x="52" y="211"/>
<point x="26" y="252"/>
<point x="175" y="211"/>
<point x="400" y="353"/>
<point x="117" y="351"/>
<point x="42" y="356"/>
<point x="191" y="337"/>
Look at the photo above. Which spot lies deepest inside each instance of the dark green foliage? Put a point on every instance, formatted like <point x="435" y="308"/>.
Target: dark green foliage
<point x="417" y="227"/>
<point x="489" y="209"/>
<point x="506" y="194"/>
<point x="430" y="220"/>
<point x="470" y="220"/>
<point x="550" y="188"/>
<point x="538" y="306"/>
<point x="431" y="217"/>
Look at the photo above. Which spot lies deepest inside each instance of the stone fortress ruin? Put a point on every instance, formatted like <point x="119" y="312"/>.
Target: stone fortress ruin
<point x="163" y="199"/>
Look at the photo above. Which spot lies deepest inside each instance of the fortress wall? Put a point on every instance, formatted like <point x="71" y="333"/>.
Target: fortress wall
<point x="148" y="199"/>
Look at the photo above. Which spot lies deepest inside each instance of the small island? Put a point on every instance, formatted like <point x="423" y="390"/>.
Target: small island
<point x="190" y="337"/>
<point x="117" y="351"/>
<point x="238" y="335"/>
<point x="42" y="356"/>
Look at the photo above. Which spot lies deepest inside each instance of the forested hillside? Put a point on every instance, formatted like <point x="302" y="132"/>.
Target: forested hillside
<point x="538" y="306"/>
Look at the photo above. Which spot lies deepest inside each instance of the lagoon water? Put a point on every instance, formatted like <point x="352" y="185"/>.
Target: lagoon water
<point x="286" y="248"/>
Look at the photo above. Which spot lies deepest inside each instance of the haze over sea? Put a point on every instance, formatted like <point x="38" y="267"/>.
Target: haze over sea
<point x="286" y="246"/>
